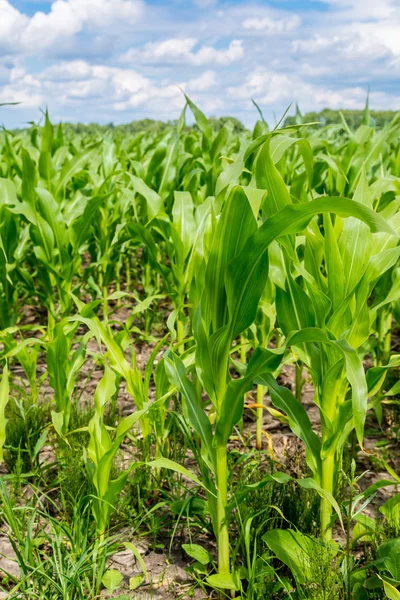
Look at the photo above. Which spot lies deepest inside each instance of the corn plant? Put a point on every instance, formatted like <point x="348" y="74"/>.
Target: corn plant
<point x="101" y="453"/>
<point x="137" y="384"/>
<point x="63" y="365"/>
<point x="234" y="280"/>
<point x="334" y="309"/>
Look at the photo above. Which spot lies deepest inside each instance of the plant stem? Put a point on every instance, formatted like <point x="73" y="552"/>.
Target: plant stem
<point x="128" y="273"/>
<point x="51" y="323"/>
<point x="260" y="416"/>
<point x="147" y="277"/>
<point x="180" y="330"/>
<point x="222" y="500"/>
<point x="105" y="302"/>
<point x="243" y="349"/>
<point x="118" y="280"/>
<point x="299" y="380"/>
<point x="348" y="541"/>
<point x="388" y="338"/>
<point x="328" y="471"/>
<point x="385" y="335"/>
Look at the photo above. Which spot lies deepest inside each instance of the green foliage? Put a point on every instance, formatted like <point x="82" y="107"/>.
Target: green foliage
<point x="150" y="276"/>
<point x="328" y="116"/>
<point x="26" y="433"/>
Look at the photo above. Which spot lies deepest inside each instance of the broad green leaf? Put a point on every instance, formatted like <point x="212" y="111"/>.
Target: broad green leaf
<point x="223" y="581"/>
<point x="391" y="592"/>
<point x="198" y="419"/>
<point x="183" y="220"/>
<point x="74" y="165"/>
<point x="153" y="201"/>
<point x="236" y="224"/>
<point x="166" y="463"/>
<point x="389" y="555"/>
<point x="296" y="551"/>
<point x="245" y="276"/>
<point x="197" y="552"/>
<point x="112" y="579"/>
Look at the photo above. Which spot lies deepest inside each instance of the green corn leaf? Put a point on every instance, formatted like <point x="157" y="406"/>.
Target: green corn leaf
<point x="268" y="178"/>
<point x="183" y="220"/>
<point x="166" y="463"/>
<point x="202" y="123"/>
<point x="236" y="224"/>
<point x="73" y="166"/>
<point x="245" y="276"/>
<point x="177" y="374"/>
<point x="153" y="201"/>
<point x="262" y="362"/>
<point x="299" y="421"/>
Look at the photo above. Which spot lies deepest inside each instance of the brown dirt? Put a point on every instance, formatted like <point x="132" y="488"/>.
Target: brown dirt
<point x="169" y="579"/>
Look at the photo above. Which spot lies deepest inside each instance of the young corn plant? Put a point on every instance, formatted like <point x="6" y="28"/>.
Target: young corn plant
<point x="101" y="452"/>
<point x="331" y="310"/>
<point x="63" y="365"/>
<point x="233" y="281"/>
<point x="113" y="347"/>
<point x="57" y="230"/>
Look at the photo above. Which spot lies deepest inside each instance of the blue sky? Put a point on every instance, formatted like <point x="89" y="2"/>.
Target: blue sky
<point x="119" y="60"/>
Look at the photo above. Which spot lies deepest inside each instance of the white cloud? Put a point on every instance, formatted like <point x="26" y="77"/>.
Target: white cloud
<point x="63" y="22"/>
<point x="385" y="34"/>
<point x="315" y="44"/>
<point x="204" y="82"/>
<point x="271" y="25"/>
<point x="277" y="89"/>
<point x="210" y="55"/>
<point x="22" y="87"/>
<point x="175" y="49"/>
<point x="264" y="85"/>
<point x="68" y="85"/>
<point x="12" y="25"/>
<point x="364" y="41"/>
<point x="181" y="50"/>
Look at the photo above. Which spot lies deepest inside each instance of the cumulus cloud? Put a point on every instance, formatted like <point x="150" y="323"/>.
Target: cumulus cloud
<point x="271" y="88"/>
<point x="65" y="19"/>
<point x="12" y="25"/>
<point x="352" y="43"/>
<point x="271" y="25"/>
<point x="181" y="50"/>
<point x="72" y="83"/>
<point x="204" y="82"/>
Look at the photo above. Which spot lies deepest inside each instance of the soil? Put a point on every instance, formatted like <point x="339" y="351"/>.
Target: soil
<point x="167" y="569"/>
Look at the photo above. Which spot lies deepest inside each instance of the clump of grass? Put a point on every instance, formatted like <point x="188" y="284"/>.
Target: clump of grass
<point x="299" y="507"/>
<point x="26" y="425"/>
<point x="326" y="578"/>
<point x="73" y="483"/>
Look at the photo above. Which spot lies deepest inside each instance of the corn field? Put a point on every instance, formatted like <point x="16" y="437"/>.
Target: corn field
<point x="200" y="362"/>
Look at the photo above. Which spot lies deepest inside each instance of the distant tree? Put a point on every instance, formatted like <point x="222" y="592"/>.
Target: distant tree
<point x="354" y="118"/>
